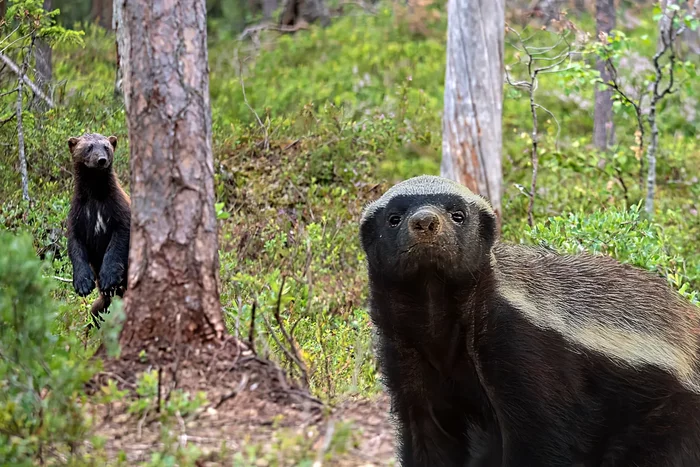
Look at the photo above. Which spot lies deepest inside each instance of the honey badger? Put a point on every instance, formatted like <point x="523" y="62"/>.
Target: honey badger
<point x="99" y="221"/>
<point x="505" y="355"/>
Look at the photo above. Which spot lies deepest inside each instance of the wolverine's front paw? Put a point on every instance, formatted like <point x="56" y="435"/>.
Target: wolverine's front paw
<point x="110" y="281"/>
<point x="84" y="282"/>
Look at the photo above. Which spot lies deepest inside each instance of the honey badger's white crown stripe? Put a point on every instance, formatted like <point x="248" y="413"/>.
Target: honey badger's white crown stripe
<point x="425" y="185"/>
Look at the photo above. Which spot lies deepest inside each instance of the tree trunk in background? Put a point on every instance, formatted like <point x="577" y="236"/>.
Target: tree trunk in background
<point x="298" y="12"/>
<point x="101" y="12"/>
<point x="269" y="7"/>
<point x="603" y="127"/>
<point x="546" y="10"/>
<point x="3" y="8"/>
<point x="44" y="65"/>
<point x="472" y="119"/>
<point x="172" y="300"/>
<point x="121" y="44"/>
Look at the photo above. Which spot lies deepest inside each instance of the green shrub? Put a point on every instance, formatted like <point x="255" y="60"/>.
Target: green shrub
<point x="623" y="234"/>
<point x="41" y="373"/>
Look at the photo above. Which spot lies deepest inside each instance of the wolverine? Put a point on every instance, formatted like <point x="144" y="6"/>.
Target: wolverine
<point x="99" y="221"/>
<point x="497" y="354"/>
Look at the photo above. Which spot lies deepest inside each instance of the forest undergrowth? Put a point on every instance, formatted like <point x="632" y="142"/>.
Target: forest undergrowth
<point x="308" y="128"/>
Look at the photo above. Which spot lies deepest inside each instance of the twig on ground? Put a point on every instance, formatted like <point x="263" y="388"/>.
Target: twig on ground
<point x="241" y="385"/>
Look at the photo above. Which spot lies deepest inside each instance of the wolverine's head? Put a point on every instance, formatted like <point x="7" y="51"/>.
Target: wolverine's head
<point x="93" y="150"/>
<point x="427" y="225"/>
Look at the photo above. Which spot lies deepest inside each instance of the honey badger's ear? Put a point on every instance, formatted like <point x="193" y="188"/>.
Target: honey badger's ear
<point x="113" y="141"/>
<point x="72" y="143"/>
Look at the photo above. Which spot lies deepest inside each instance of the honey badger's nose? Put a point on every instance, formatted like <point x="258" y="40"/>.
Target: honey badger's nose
<point x="102" y="161"/>
<point x="425" y="222"/>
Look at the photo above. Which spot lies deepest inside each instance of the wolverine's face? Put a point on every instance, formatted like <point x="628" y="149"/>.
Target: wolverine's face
<point x="93" y="150"/>
<point x="428" y="228"/>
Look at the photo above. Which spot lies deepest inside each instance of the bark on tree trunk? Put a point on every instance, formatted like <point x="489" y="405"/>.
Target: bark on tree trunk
<point x="603" y="127"/>
<point x="101" y="12"/>
<point x="173" y="295"/>
<point x="472" y="126"/>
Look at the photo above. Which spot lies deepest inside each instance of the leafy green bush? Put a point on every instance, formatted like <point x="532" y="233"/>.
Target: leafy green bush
<point x="623" y="234"/>
<point x="41" y="373"/>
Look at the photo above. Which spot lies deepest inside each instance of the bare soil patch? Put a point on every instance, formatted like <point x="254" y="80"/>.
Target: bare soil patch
<point x="252" y="407"/>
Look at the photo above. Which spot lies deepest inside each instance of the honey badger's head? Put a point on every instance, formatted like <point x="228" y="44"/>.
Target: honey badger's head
<point x="93" y="150"/>
<point x="427" y="225"/>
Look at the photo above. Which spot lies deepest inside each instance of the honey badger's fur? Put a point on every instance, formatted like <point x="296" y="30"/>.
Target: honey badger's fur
<point x="505" y="355"/>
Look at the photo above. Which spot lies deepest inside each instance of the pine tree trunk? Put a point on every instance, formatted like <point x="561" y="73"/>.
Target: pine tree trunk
<point x="172" y="295"/>
<point x="603" y="127"/>
<point x="472" y="119"/>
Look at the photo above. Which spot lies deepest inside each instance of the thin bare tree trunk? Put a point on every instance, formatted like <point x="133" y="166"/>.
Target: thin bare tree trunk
<point x="603" y="126"/>
<point x="44" y="64"/>
<point x="121" y="44"/>
<point x="173" y="295"/>
<point x="472" y="119"/>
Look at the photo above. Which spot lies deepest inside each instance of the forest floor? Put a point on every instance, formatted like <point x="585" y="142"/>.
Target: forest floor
<point x="254" y="416"/>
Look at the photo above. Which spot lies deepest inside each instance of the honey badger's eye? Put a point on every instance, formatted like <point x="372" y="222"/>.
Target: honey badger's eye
<point x="458" y="217"/>
<point x="394" y="220"/>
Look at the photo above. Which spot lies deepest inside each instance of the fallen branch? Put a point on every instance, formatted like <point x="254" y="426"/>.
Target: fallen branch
<point x="250" y="30"/>
<point x="62" y="279"/>
<point x="35" y="89"/>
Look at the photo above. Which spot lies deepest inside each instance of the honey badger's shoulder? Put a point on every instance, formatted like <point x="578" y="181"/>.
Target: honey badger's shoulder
<point x="614" y="309"/>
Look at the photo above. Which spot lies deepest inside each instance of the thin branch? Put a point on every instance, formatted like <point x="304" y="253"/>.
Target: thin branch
<point x="35" y="89"/>
<point x="556" y="139"/>
<point x="266" y="142"/>
<point x="251" y="330"/>
<point x="297" y="358"/>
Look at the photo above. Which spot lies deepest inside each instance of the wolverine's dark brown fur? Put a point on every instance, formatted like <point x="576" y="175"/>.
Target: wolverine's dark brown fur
<point x="504" y="355"/>
<point x="98" y="222"/>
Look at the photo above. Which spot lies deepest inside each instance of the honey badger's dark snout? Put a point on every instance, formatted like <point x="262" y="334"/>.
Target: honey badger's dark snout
<point x="424" y="224"/>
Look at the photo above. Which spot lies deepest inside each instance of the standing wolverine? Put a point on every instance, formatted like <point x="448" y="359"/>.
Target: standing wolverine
<point x="505" y="355"/>
<point x="99" y="221"/>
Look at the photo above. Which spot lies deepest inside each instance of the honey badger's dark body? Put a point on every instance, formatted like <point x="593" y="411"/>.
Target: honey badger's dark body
<point x="98" y="222"/>
<point x="476" y="380"/>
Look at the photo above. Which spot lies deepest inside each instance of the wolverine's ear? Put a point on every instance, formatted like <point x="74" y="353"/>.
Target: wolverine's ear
<point x="72" y="142"/>
<point x="113" y="141"/>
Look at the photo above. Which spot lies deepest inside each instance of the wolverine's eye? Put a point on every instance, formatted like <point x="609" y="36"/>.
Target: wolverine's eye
<point x="90" y="148"/>
<point x="458" y="217"/>
<point x="394" y="220"/>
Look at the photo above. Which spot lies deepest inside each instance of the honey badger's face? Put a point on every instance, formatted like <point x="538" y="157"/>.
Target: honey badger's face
<point x="427" y="225"/>
<point x="93" y="150"/>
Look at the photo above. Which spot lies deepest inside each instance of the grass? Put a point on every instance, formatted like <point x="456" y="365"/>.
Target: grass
<point x="343" y="113"/>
